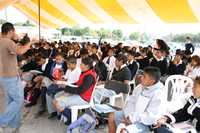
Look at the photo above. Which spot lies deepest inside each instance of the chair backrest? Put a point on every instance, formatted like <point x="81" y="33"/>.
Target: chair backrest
<point x="138" y="67"/>
<point x="109" y="74"/>
<point x="176" y="85"/>
<point x="137" y="71"/>
<point x="92" y="96"/>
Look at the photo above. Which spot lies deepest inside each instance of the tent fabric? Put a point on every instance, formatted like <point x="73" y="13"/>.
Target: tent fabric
<point x="61" y="13"/>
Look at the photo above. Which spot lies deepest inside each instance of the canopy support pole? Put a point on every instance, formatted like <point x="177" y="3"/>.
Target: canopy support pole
<point x="39" y="23"/>
<point x="6" y="14"/>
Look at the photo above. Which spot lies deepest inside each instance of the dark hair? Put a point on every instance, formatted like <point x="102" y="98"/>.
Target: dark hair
<point x="196" y="58"/>
<point x="132" y="53"/>
<point x="6" y="27"/>
<point x="188" y="38"/>
<point x="88" y="61"/>
<point x="197" y="80"/>
<point x="94" y="57"/>
<point x="38" y="59"/>
<point x="143" y="51"/>
<point x="162" y="45"/>
<point x="154" y="72"/>
<point x="59" y="54"/>
<point x="179" y="52"/>
<point x="84" y="52"/>
<point x="95" y="47"/>
<point x="121" y="57"/>
<point x="71" y="60"/>
<point x="111" y="49"/>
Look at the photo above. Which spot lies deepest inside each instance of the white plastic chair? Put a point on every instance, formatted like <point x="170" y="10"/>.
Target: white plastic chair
<point x="113" y="98"/>
<point x="121" y="95"/>
<point x="76" y="108"/>
<point x="132" y="82"/>
<point x="177" y="89"/>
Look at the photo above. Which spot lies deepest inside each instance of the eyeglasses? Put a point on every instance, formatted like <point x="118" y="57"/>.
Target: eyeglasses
<point x="157" y="49"/>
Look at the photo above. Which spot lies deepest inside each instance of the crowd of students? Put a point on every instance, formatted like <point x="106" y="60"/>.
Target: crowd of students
<point x="65" y="74"/>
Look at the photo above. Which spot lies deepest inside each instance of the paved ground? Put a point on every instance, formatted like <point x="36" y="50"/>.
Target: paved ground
<point x="42" y="124"/>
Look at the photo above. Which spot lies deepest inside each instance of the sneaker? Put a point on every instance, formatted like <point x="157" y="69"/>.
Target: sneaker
<point x="52" y="115"/>
<point x="30" y="104"/>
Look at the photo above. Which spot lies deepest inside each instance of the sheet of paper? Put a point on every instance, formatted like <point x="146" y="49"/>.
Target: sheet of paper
<point x="36" y="71"/>
<point x="184" y="126"/>
<point x="65" y="83"/>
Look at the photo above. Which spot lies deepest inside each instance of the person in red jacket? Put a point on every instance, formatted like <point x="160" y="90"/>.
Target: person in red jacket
<point x="81" y="94"/>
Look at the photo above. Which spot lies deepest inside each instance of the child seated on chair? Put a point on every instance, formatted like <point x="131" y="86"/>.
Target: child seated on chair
<point x="191" y="111"/>
<point x="71" y="76"/>
<point x="143" y="107"/>
<point x="81" y="94"/>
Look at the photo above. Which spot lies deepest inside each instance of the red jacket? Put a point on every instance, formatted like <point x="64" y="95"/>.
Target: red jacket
<point x="86" y="95"/>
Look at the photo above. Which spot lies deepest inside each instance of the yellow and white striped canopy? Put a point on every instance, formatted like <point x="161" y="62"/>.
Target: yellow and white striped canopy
<point x="60" y="13"/>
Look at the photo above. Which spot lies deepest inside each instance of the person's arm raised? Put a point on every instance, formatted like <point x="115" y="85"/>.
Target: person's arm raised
<point x="23" y="49"/>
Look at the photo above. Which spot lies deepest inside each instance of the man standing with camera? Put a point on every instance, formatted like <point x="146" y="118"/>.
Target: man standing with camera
<point x="9" y="78"/>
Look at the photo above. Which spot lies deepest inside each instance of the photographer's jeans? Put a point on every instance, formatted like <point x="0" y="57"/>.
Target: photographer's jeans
<point x="14" y="96"/>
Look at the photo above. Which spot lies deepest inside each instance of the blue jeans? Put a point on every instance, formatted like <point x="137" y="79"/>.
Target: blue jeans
<point x="14" y="95"/>
<point x="52" y="90"/>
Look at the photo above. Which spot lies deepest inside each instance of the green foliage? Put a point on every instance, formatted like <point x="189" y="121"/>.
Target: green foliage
<point x="134" y="36"/>
<point x="182" y="37"/>
<point x="117" y="34"/>
<point x="76" y="31"/>
<point x="27" y="23"/>
<point x="2" y="21"/>
<point x="103" y="33"/>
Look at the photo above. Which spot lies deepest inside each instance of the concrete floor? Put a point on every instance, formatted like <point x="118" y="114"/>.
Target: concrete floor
<point x="30" y="124"/>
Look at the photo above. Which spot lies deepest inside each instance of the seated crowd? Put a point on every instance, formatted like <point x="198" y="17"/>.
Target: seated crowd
<point x="65" y="74"/>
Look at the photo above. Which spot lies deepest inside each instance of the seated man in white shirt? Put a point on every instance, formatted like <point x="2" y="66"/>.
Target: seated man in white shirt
<point x="143" y="107"/>
<point x="109" y="61"/>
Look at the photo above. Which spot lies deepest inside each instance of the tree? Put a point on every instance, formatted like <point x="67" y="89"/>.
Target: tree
<point x="103" y="33"/>
<point x="86" y="31"/>
<point x="134" y="36"/>
<point x="117" y="34"/>
<point x="181" y="37"/>
<point x="2" y="21"/>
<point x="144" y="38"/>
<point x="28" y="23"/>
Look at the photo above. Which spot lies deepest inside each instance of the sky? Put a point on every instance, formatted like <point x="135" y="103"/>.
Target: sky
<point x="13" y="15"/>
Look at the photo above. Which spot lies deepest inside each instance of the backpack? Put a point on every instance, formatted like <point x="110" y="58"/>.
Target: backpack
<point x="84" y="124"/>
